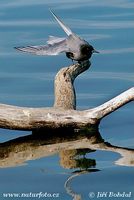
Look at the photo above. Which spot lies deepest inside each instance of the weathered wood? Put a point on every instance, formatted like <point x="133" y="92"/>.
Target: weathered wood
<point x="13" y="117"/>
<point x="22" y="118"/>
<point x="110" y="106"/>
<point x="63" y="113"/>
<point x="65" y="96"/>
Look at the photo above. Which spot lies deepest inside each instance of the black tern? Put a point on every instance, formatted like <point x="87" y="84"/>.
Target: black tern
<point x="75" y="47"/>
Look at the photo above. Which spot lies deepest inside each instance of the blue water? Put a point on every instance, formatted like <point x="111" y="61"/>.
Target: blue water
<point x="27" y="80"/>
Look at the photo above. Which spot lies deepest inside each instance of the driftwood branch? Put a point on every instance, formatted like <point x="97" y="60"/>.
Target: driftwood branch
<point x="65" y="96"/>
<point x="112" y="105"/>
<point x="63" y="113"/>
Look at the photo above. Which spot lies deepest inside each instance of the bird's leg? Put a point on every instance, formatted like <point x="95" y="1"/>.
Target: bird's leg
<point x="81" y="63"/>
<point x="73" y="61"/>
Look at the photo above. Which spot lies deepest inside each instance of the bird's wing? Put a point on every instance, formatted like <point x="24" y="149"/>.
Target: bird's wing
<point x="54" y="47"/>
<point x="53" y="40"/>
<point x="63" y="26"/>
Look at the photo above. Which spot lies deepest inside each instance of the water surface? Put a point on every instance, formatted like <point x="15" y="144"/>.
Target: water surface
<point x="27" y="80"/>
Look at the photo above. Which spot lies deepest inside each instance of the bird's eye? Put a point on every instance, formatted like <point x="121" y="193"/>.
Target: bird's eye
<point x="85" y="50"/>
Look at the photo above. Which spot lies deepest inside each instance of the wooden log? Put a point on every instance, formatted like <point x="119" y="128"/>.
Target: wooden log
<point x="63" y="113"/>
<point x="22" y="118"/>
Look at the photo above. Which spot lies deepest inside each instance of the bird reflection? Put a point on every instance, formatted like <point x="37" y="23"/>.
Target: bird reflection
<point x="75" y="158"/>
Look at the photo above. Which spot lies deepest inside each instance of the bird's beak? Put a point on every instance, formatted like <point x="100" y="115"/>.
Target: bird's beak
<point x="95" y="51"/>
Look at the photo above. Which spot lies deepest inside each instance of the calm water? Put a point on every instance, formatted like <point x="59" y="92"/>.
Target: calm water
<point x="27" y="80"/>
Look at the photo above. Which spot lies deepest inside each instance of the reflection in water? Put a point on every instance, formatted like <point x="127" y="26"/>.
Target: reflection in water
<point x="68" y="187"/>
<point x="75" y="158"/>
<point x="72" y="150"/>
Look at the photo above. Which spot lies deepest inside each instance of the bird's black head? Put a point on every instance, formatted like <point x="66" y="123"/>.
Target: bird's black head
<point x="86" y="51"/>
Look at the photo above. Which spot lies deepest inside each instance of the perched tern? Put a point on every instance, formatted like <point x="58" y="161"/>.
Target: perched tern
<point x="74" y="46"/>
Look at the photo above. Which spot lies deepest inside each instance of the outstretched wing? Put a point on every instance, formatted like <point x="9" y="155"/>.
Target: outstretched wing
<point x="63" y="26"/>
<point x="54" y="47"/>
<point x="53" y="39"/>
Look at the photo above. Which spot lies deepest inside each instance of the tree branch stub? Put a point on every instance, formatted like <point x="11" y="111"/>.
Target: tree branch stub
<point x="65" y="96"/>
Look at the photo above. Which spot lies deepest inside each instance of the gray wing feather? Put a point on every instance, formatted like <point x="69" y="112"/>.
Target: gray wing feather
<point x="50" y="49"/>
<point x="63" y="26"/>
<point x="52" y="39"/>
<point x="54" y="45"/>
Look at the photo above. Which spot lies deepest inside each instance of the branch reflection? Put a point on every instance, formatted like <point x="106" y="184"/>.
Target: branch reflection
<point x="72" y="149"/>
